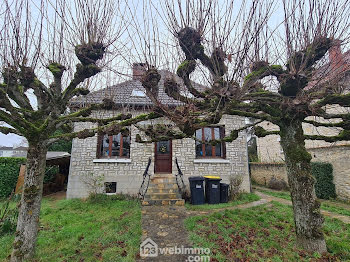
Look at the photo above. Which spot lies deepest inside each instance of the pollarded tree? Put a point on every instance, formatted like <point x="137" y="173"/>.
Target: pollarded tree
<point x="38" y="36"/>
<point x="302" y="91"/>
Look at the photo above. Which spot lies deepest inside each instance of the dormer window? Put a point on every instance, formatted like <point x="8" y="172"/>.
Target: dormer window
<point x="138" y="93"/>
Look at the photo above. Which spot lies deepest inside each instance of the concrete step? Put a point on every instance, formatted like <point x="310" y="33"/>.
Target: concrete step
<point x="164" y="202"/>
<point x="162" y="185"/>
<point x="163" y="175"/>
<point x="159" y="196"/>
<point x="162" y="190"/>
<point x="163" y="180"/>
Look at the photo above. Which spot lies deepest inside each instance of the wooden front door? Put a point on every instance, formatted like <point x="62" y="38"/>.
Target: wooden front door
<point x="163" y="157"/>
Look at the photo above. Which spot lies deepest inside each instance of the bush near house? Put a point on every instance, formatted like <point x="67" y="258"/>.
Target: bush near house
<point x="324" y="186"/>
<point x="9" y="169"/>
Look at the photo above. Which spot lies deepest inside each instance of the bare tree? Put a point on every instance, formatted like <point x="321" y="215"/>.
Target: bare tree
<point x="240" y="40"/>
<point x="40" y="44"/>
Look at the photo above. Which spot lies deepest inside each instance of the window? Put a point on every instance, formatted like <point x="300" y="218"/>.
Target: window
<point x="138" y="93"/>
<point x="111" y="188"/>
<point x="113" y="146"/>
<point x="206" y="135"/>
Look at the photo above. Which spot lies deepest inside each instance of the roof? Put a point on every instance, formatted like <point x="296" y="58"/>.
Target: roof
<point x="6" y="148"/>
<point x="57" y="158"/>
<point x="121" y="93"/>
<point x="50" y="155"/>
<point x="331" y="71"/>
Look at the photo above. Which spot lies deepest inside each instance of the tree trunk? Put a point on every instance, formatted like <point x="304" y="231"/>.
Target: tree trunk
<point x="28" y="218"/>
<point x="306" y="208"/>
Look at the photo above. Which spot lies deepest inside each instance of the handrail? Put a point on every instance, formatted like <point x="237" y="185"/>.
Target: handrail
<point x="179" y="178"/>
<point x="145" y="182"/>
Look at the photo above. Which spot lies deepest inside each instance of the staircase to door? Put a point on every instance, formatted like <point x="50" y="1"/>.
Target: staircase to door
<point x="163" y="190"/>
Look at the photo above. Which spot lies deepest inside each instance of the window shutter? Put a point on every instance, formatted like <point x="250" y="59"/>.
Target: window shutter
<point x="99" y="144"/>
<point x="222" y="135"/>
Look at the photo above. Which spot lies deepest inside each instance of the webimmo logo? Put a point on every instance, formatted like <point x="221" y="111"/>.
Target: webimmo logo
<point x="148" y="248"/>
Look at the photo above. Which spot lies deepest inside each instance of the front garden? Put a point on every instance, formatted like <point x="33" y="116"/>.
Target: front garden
<point x="100" y="229"/>
<point x="262" y="233"/>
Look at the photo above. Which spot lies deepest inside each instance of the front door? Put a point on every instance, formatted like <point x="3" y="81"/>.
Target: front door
<point x="162" y="157"/>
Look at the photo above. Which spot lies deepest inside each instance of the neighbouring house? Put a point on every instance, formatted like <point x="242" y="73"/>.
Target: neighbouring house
<point x="121" y="161"/>
<point x="6" y="151"/>
<point x="337" y="153"/>
<point x="13" y="152"/>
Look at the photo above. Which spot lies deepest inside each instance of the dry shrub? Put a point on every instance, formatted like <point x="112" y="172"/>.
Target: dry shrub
<point x="277" y="184"/>
<point x="235" y="187"/>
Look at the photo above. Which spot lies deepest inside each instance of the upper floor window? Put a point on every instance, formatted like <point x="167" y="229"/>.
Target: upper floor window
<point x="204" y="148"/>
<point x="113" y="146"/>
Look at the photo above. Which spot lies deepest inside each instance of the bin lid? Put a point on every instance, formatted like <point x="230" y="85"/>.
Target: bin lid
<point x="212" y="177"/>
<point x="194" y="178"/>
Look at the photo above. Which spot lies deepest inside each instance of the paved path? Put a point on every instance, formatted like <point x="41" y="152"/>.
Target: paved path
<point x="164" y="225"/>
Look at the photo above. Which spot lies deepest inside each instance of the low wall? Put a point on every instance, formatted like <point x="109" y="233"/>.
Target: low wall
<point x="338" y="156"/>
<point x="261" y="173"/>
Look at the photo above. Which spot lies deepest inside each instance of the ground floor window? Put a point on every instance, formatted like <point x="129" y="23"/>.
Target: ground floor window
<point x="204" y="148"/>
<point x="113" y="146"/>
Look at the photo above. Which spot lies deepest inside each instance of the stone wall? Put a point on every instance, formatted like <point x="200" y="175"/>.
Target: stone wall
<point x="338" y="156"/>
<point x="128" y="173"/>
<point x="270" y="150"/>
<point x="261" y="173"/>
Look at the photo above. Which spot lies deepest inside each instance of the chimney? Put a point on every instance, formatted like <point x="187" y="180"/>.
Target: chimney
<point x="335" y="54"/>
<point x="138" y="70"/>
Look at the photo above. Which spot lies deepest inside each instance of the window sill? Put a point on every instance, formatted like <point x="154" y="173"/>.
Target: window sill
<point x="212" y="160"/>
<point x="112" y="160"/>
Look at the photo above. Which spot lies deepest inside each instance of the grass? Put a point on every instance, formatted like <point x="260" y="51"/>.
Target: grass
<point x="105" y="229"/>
<point x="262" y="233"/>
<point x="243" y="199"/>
<point x="280" y="194"/>
<point x="328" y="205"/>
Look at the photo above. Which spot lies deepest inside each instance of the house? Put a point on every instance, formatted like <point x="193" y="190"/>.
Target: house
<point x="120" y="161"/>
<point x="6" y="151"/>
<point x="13" y="152"/>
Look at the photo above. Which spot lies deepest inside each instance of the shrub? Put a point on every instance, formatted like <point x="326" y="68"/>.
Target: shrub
<point x="8" y="216"/>
<point x="324" y="186"/>
<point x="94" y="183"/>
<point x="235" y="187"/>
<point x="9" y="170"/>
<point x="277" y="184"/>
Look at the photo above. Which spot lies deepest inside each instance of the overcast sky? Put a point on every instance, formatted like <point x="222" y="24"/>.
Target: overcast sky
<point x="276" y="19"/>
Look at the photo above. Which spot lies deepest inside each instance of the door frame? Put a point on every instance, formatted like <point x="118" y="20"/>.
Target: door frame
<point x="171" y="157"/>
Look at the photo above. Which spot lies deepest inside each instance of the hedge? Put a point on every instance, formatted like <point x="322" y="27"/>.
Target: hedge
<point x="324" y="186"/>
<point x="9" y="170"/>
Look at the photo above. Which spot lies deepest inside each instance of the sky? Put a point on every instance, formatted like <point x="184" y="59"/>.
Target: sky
<point x="276" y="19"/>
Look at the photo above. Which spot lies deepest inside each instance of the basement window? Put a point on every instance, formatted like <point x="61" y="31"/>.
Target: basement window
<point x="111" y="188"/>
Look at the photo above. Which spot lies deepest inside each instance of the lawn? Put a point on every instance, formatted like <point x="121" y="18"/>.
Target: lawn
<point x="333" y="206"/>
<point x="242" y="199"/>
<point x="104" y="229"/>
<point x="262" y="233"/>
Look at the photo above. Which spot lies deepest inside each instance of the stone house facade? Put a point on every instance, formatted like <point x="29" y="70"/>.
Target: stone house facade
<point x="119" y="161"/>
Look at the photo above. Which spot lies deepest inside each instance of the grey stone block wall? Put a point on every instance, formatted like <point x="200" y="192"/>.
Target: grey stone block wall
<point x="129" y="175"/>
